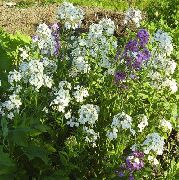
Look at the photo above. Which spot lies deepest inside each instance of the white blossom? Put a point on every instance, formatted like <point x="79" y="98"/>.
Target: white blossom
<point x="155" y="143"/>
<point x="71" y="16"/>
<point x="133" y="15"/>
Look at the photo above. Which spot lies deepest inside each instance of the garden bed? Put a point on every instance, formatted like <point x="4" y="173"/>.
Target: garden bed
<point x="25" y="20"/>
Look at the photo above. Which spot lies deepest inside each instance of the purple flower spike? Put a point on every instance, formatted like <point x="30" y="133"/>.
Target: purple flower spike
<point x="143" y="37"/>
<point x="132" y="45"/>
<point x="120" y="76"/>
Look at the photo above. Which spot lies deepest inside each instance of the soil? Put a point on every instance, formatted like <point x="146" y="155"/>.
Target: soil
<point x="13" y="19"/>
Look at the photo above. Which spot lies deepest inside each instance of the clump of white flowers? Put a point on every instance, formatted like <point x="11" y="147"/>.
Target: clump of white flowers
<point x="33" y="72"/>
<point x="70" y="15"/>
<point x="80" y="93"/>
<point x="11" y="106"/>
<point x="133" y="15"/>
<point x="166" y="125"/>
<point x="62" y="96"/>
<point x="88" y="115"/>
<point x="155" y="143"/>
<point x="99" y="45"/>
<point x="162" y="66"/>
<point x="46" y="40"/>
<point x="153" y="160"/>
<point x="14" y="76"/>
<point x="120" y="121"/>
<point x="143" y="123"/>
<point x="164" y="40"/>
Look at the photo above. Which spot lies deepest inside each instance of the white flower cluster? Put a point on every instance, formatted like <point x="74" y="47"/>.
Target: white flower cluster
<point x="33" y="72"/>
<point x="81" y="65"/>
<point x="143" y="123"/>
<point x="71" y="16"/>
<point x="88" y="115"/>
<point x="80" y="93"/>
<point x="133" y="15"/>
<point x="11" y="106"/>
<point x="99" y="45"/>
<point x="155" y="143"/>
<point x="62" y="96"/>
<point x="166" y="125"/>
<point x="14" y="76"/>
<point x="164" y="40"/>
<point x="120" y="121"/>
<point x="153" y="160"/>
<point x="163" y="67"/>
<point x="46" y="42"/>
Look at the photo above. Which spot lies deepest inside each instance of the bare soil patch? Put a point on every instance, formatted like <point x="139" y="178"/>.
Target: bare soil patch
<point x="25" y="20"/>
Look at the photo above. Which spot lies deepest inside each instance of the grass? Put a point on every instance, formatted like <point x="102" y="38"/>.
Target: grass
<point x="115" y="5"/>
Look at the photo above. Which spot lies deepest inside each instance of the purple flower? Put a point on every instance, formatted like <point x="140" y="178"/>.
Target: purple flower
<point x="146" y="54"/>
<point x="55" y="27"/>
<point x="132" y="45"/>
<point x="120" y="174"/>
<point x="120" y="76"/>
<point x="131" y="177"/>
<point x="143" y="37"/>
<point x="138" y="154"/>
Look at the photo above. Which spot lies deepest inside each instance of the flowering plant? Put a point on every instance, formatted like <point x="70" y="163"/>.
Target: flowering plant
<point x="75" y="104"/>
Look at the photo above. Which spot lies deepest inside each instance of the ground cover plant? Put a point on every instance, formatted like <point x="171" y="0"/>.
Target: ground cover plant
<point x="90" y="104"/>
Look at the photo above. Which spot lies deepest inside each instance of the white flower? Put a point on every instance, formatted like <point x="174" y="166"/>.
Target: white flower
<point x="143" y="123"/>
<point x="88" y="114"/>
<point x="14" y="76"/>
<point x="81" y="65"/>
<point x="133" y="15"/>
<point x="10" y="115"/>
<point x="0" y="83"/>
<point x="70" y="15"/>
<point x="120" y="121"/>
<point x="80" y="93"/>
<point x="24" y="53"/>
<point x="108" y="26"/>
<point x="154" y="142"/>
<point x="68" y="115"/>
<point x="45" y="109"/>
<point x="165" y="41"/>
<point x="171" y="83"/>
<point x="62" y="98"/>
<point x="166" y="124"/>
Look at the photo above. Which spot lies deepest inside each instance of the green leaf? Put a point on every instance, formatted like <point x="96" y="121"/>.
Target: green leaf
<point x="4" y="124"/>
<point x="34" y="151"/>
<point x="7" y="166"/>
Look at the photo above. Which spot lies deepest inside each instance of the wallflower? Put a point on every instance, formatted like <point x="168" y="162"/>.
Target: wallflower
<point x="71" y="16"/>
<point x="143" y="37"/>
<point x="133" y="15"/>
<point x="166" y="124"/>
<point x="143" y="123"/>
<point x="88" y="114"/>
<point x="164" y="40"/>
<point x="14" y="76"/>
<point x="80" y="93"/>
<point x="154" y="142"/>
<point x="62" y="98"/>
<point x="120" y="121"/>
<point x="46" y="40"/>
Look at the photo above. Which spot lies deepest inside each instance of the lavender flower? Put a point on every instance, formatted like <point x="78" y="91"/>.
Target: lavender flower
<point x="120" y="76"/>
<point x="143" y="37"/>
<point x="132" y="45"/>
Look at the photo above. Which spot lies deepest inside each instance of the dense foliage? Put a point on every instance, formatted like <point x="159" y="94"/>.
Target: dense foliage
<point x="90" y="105"/>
